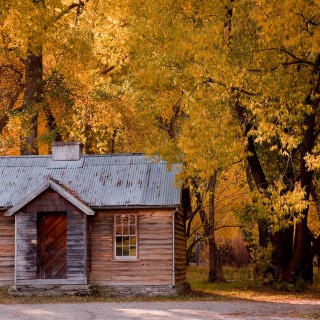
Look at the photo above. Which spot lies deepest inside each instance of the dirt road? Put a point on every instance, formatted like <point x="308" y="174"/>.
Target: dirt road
<point x="181" y="310"/>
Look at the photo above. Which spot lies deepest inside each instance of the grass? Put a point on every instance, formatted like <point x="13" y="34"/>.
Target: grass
<point x="240" y="285"/>
<point x="5" y="298"/>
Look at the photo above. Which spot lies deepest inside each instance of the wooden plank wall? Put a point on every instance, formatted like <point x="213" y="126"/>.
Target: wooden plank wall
<point x="27" y="247"/>
<point x="7" y="227"/>
<point x="180" y="248"/>
<point x="154" y="263"/>
<point x="76" y="246"/>
<point x="88" y="253"/>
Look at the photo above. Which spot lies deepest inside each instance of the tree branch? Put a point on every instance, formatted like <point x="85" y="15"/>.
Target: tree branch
<point x="13" y="68"/>
<point x="232" y="88"/>
<point x="293" y="56"/>
<point x="79" y="6"/>
<point x="299" y="60"/>
<point x="230" y="226"/>
<point x="106" y="71"/>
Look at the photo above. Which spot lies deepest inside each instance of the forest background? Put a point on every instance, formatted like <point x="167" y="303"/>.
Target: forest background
<point x="229" y="88"/>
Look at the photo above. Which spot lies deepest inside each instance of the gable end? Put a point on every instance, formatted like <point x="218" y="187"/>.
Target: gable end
<point x="56" y="187"/>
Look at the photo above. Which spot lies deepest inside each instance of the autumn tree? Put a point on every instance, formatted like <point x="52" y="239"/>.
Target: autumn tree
<point x="23" y="42"/>
<point x="258" y="63"/>
<point x="280" y="115"/>
<point x="58" y="58"/>
<point x="176" y="102"/>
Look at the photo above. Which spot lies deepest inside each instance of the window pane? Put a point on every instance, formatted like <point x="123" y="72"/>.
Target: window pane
<point x="125" y="241"/>
<point x="125" y="219"/>
<point x="126" y="250"/>
<point x="132" y="219"/>
<point x="133" y="251"/>
<point x="119" y="230"/>
<point x="133" y="241"/>
<point x="119" y="246"/>
<point x="119" y="251"/>
<point x="132" y="229"/>
<point x="125" y="246"/>
<point x="125" y="229"/>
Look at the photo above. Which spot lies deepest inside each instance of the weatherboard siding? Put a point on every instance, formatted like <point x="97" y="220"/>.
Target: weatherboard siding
<point x="154" y="262"/>
<point x="7" y="248"/>
<point x="180" y="249"/>
<point x="153" y="266"/>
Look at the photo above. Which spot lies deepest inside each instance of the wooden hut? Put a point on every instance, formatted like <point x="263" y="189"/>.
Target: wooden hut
<point x="70" y="221"/>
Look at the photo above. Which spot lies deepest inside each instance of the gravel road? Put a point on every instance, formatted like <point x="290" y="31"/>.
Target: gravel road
<point x="181" y="310"/>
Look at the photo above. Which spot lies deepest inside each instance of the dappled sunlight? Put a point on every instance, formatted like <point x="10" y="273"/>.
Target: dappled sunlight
<point x="154" y="314"/>
<point x="270" y="297"/>
<point x="37" y="313"/>
<point x="190" y="314"/>
<point x="173" y="310"/>
<point x="241" y="287"/>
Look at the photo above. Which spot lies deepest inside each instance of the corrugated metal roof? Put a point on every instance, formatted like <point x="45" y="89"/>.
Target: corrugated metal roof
<point x="98" y="180"/>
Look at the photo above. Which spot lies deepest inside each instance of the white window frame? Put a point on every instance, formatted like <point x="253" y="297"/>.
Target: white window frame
<point x="115" y="236"/>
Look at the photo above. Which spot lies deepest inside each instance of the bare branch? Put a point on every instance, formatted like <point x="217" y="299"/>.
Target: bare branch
<point x="299" y="60"/>
<point x="230" y="226"/>
<point x="169" y="126"/>
<point x="106" y="71"/>
<point x="79" y="6"/>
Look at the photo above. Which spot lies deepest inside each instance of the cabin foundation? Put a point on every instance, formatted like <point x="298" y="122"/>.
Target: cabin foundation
<point x="51" y="290"/>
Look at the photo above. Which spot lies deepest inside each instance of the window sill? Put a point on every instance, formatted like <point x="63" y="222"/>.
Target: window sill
<point x="125" y="260"/>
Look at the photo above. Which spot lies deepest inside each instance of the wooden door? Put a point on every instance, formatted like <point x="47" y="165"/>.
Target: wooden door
<point x="53" y="245"/>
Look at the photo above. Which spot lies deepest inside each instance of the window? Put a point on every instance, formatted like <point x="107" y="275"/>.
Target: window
<point x="125" y="236"/>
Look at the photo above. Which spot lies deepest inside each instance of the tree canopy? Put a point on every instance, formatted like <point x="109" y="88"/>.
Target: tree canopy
<point x="245" y="78"/>
<point x="211" y="84"/>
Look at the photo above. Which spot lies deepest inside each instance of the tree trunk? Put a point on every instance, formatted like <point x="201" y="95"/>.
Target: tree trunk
<point x="215" y="263"/>
<point x="112" y="141"/>
<point x="262" y="185"/>
<point x="256" y="170"/>
<point x="52" y="125"/>
<point x="298" y="265"/>
<point x="282" y="242"/>
<point x="33" y="96"/>
<point x="301" y="263"/>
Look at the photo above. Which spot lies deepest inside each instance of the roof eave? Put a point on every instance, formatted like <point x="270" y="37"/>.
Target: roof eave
<point x="167" y="206"/>
<point x="59" y="189"/>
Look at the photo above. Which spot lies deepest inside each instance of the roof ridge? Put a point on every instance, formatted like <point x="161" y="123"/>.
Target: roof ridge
<point x="113" y="154"/>
<point x="27" y="156"/>
<point x="83" y="155"/>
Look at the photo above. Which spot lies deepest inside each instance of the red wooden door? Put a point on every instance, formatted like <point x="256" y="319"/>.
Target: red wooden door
<point x="53" y="245"/>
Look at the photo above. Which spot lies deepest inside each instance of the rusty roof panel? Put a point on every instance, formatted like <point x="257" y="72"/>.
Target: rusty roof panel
<point x="98" y="180"/>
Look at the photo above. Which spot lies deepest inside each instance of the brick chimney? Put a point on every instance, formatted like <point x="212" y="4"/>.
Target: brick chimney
<point x="70" y="151"/>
